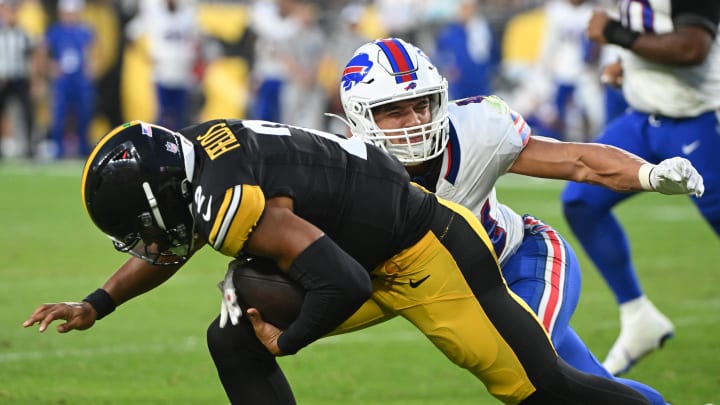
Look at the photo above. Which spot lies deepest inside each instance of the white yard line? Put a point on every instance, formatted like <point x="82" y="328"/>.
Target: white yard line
<point x="192" y="343"/>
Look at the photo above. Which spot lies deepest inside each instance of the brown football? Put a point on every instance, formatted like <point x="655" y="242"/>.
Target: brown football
<point x="260" y="284"/>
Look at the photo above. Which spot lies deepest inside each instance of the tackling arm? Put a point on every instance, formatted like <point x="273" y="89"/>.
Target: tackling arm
<point x="607" y="166"/>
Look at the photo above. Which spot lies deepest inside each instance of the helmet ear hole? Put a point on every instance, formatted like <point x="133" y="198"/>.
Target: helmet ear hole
<point x="356" y="108"/>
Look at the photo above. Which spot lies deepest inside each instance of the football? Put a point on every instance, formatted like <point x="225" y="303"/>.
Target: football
<point x="260" y="284"/>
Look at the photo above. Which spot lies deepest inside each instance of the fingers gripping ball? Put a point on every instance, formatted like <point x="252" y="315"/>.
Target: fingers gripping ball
<point x="260" y="284"/>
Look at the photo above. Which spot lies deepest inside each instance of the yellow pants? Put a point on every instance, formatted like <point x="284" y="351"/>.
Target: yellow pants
<point x="450" y="287"/>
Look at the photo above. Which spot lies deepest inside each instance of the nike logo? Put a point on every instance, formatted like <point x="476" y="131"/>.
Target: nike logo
<point x="206" y="215"/>
<point x="690" y="148"/>
<point x="416" y="284"/>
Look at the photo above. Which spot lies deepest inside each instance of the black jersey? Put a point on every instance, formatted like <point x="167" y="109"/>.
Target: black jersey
<point x="357" y="194"/>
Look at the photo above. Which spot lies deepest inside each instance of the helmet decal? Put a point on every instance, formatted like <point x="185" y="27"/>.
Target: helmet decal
<point x="356" y="70"/>
<point x="400" y="61"/>
<point x="172" y="147"/>
<point x="145" y="129"/>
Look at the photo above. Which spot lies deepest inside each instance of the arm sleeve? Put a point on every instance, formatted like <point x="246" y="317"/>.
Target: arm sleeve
<point x="336" y="285"/>
<point x="701" y="13"/>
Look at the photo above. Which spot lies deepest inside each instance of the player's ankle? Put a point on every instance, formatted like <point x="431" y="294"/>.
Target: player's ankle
<point x="634" y="306"/>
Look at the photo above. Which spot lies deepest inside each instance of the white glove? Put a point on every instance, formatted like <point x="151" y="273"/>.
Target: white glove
<point x="229" y="309"/>
<point x="672" y="176"/>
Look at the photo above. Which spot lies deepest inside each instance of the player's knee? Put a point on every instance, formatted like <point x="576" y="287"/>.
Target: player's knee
<point x="216" y="339"/>
<point x="222" y="341"/>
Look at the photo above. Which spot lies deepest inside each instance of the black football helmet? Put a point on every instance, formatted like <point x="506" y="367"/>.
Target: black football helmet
<point x="135" y="189"/>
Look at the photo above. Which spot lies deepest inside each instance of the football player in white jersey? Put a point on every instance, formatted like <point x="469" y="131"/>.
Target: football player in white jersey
<point x="669" y="70"/>
<point x="394" y="97"/>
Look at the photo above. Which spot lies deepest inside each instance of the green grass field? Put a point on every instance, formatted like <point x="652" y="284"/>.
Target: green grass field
<point x="152" y="350"/>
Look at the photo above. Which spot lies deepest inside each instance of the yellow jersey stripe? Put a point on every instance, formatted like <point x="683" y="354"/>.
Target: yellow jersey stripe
<point x="227" y="202"/>
<point x="242" y="211"/>
<point x="230" y="214"/>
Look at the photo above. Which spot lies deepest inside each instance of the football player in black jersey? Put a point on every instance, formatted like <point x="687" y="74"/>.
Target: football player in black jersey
<point x="330" y="212"/>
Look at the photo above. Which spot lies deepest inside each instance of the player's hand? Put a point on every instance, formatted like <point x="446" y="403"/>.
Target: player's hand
<point x="266" y="332"/>
<point x="612" y="74"/>
<point x="596" y="25"/>
<point x="676" y="176"/>
<point x="78" y="315"/>
<point x="229" y="308"/>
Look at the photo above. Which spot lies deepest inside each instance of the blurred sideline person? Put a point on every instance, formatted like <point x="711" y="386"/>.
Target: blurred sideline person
<point x="568" y="58"/>
<point x="173" y="49"/>
<point x="274" y="24"/>
<point x="17" y="71"/>
<point x="467" y="51"/>
<point x="399" y="102"/>
<point x="67" y="49"/>
<point x="302" y="99"/>
<point x="331" y="212"/>
<point x="670" y="75"/>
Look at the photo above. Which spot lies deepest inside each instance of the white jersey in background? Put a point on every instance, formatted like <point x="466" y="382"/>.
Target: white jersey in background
<point x="563" y="48"/>
<point x="486" y="137"/>
<point x="655" y="88"/>
<point x="173" y="41"/>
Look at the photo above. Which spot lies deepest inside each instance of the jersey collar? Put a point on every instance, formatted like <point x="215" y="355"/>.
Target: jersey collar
<point x="188" y="156"/>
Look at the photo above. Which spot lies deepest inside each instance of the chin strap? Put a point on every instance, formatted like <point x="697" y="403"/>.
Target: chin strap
<point x="153" y="205"/>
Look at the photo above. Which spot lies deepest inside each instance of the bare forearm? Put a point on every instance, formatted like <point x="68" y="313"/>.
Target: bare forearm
<point x="136" y="277"/>
<point x="608" y="166"/>
<point x="131" y="279"/>
<point x="685" y="46"/>
<point x="592" y="163"/>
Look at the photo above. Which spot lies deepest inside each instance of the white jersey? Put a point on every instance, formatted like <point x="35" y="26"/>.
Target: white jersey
<point x="486" y="137"/>
<point x="173" y="42"/>
<point x="564" y="51"/>
<point x="656" y="88"/>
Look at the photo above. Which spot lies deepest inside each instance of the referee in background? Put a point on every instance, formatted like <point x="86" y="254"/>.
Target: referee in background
<point x="16" y="50"/>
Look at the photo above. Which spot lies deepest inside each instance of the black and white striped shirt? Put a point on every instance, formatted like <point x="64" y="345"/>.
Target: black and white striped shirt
<point x="15" y="49"/>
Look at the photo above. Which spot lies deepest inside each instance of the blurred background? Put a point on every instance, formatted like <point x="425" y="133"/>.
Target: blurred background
<point x="71" y="69"/>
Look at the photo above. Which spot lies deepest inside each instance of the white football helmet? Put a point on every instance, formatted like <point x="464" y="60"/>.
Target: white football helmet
<point x="390" y="70"/>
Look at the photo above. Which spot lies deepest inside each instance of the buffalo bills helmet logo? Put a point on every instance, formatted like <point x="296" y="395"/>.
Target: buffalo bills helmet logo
<point x="356" y="70"/>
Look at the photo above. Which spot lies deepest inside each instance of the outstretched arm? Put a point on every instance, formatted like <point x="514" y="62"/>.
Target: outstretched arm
<point x="133" y="278"/>
<point x="607" y="166"/>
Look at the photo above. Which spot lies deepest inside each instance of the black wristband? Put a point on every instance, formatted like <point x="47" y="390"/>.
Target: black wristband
<point x="616" y="34"/>
<point x="102" y="302"/>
